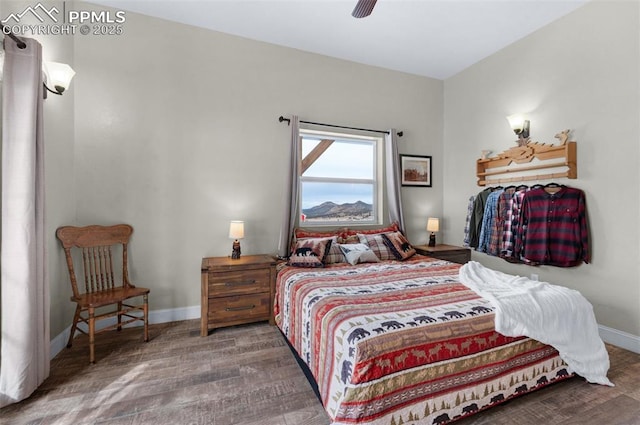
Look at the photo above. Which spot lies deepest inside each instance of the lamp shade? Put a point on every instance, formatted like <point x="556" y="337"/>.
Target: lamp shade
<point x="59" y="75"/>
<point x="433" y="224"/>
<point x="236" y="230"/>
<point x="516" y="121"/>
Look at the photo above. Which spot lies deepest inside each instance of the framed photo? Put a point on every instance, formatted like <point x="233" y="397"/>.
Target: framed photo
<point x="415" y="170"/>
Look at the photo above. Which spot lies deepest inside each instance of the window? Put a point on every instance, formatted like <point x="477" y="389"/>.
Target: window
<point x="339" y="179"/>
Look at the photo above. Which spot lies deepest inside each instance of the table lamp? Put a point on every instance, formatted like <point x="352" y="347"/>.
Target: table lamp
<point x="236" y="231"/>
<point x="433" y="225"/>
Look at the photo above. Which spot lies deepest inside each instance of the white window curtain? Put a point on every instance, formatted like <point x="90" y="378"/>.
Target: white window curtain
<point x="392" y="173"/>
<point x="292" y="190"/>
<point x="24" y="348"/>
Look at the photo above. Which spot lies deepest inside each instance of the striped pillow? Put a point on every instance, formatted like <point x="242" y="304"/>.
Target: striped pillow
<point x="334" y="255"/>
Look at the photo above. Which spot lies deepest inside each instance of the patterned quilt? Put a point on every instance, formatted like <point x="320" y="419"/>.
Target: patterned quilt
<point x="404" y="343"/>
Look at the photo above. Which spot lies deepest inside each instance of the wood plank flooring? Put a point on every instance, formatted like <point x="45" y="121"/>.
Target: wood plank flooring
<point x="247" y="375"/>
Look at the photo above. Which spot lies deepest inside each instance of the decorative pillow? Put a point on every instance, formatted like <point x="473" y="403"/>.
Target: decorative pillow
<point x="377" y="245"/>
<point x="393" y="227"/>
<point x="399" y="245"/>
<point x="309" y="252"/>
<point x="334" y="255"/>
<point x="358" y="253"/>
<point x="306" y="234"/>
<point x="303" y="233"/>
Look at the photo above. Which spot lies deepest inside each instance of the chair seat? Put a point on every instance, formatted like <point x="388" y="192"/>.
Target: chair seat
<point x="109" y="296"/>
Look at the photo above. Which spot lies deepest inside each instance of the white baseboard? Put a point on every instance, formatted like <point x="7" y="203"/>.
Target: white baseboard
<point x="156" y="316"/>
<point x="620" y="339"/>
<point x="59" y="342"/>
<point x="174" y="314"/>
<point x="609" y="335"/>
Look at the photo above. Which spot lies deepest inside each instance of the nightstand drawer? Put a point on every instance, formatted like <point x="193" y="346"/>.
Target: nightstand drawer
<point x="459" y="257"/>
<point x="234" y="282"/>
<point x="455" y="254"/>
<point x="239" y="308"/>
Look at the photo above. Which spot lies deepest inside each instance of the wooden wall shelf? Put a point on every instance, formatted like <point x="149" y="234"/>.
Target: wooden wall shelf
<point x="562" y="156"/>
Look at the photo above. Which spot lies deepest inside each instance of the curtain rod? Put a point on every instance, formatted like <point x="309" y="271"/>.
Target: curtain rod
<point x="288" y="120"/>
<point x="21" y="44"/>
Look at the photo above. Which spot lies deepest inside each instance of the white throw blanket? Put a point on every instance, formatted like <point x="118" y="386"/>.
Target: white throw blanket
<point x="554" y="315"/>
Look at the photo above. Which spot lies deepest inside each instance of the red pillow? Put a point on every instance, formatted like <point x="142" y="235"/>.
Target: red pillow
<point x="299" y="233"/>
<point x="393" y="227"/>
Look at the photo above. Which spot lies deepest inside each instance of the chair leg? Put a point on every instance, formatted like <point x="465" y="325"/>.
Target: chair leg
<point x="146" y="317"/>
<point x="92" y="330"/>
<point x="119" y="316"/>
<point x="76" y="317"/>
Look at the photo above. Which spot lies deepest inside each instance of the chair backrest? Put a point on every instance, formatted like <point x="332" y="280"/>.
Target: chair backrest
<point x="96" y="243"/>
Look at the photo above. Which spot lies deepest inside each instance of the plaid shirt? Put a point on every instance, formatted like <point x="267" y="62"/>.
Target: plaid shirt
<point x="502" y="209"/>
<point x="488" y="219"/>
<point x="511" y="226"/>
<point x="555" y="228"/>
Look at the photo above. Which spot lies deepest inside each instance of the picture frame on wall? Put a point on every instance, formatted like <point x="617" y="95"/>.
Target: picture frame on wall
<point x="415" y="170"/>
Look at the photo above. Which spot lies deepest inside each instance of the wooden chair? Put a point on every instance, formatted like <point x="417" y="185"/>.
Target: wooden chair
<point x="104" y="285"/>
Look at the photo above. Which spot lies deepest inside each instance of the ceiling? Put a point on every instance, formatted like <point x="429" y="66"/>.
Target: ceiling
<point x="433" y="38"/>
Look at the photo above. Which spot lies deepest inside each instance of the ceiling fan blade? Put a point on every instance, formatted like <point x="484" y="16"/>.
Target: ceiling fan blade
<point x="363" y="8"/>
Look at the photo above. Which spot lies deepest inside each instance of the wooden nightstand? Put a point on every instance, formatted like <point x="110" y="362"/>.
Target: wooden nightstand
<point x="455" y="254"/>
<point x="236" y="291"/>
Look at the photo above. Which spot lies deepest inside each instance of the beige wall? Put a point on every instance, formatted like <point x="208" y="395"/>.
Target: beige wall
<point x="176" y="132"/>
<point x="580" y="72"/>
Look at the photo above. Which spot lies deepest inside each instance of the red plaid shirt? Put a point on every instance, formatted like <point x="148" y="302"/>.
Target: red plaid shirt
<point x="511" y="226"/>
<point x="553" y="228"/>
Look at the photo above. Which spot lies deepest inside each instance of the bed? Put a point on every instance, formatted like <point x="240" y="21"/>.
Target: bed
<point x="404" y="342"/>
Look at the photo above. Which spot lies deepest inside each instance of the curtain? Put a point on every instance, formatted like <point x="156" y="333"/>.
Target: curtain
<point x="24" y="348"/>
<point x="292" y="191"/>
<point x="392" y="175"/>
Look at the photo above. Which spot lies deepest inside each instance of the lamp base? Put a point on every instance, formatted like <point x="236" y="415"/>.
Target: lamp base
<point x="432" y="240"/>
<point x="235" y="254"/>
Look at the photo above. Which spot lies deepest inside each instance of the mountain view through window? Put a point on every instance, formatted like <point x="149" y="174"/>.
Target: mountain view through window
<point x="338" y="180"/>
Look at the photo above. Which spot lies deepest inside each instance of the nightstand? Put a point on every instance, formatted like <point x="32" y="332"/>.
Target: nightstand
<point x="236" y="291"/>
<point x="455" y="254"/>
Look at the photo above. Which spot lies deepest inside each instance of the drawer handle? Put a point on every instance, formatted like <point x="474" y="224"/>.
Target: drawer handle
<point x="246" y="307"/>
<point x="240" y="283"/>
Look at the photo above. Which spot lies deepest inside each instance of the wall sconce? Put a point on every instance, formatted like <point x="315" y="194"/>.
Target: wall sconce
<point x="520" y="125"/>
<point x="433" y="225"/>
<point x="58" y="75"/>
<point x="236" y="231"/>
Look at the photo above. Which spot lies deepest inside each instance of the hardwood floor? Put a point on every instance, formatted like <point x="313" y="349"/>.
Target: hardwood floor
<point x="247" y="375"/>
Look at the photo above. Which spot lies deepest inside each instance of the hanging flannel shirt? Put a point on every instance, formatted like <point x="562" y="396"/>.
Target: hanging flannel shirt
<point x="476" y="219"/>
<point x="511" y="226"/>
<point x="556" y="228"/>
<point x="502" y="208"/>
<point x="467" y="222"/>
<point x="488" y="219"/>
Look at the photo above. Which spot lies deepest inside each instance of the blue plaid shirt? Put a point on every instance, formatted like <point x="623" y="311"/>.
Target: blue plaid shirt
<point x="487" y="220"/>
